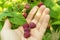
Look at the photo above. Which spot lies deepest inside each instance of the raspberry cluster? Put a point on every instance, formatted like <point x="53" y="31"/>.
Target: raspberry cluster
<point x="27" y="27"/>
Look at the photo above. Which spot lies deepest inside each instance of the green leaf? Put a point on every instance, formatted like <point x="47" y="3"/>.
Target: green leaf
<point x="3" y="15"/>
<point x="49" y="3"/>
<point x="34" y="3"/>
<point x="1" y="24"/>
<point x="17" y="19"/>
<point x="56" y="23"/>
<point x="54" y="14"/>
<point x="58" y="2"/>
<point x="15" y="26"/>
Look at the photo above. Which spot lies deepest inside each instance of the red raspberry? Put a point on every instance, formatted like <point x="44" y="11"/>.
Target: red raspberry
<point x="40" y="4"/>
<point x="26" y="25"/>
<point x="26" y="29"/>
<point x="27" y="34"/>
<point x="32" y="25"/>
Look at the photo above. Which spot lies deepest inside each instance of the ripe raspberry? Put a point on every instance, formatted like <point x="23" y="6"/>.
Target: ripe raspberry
<point x="26" y="25"/>
<point x="26" y="29"/>
<point x="32" y="25"/>
<point x="40" y="4"/>
<point x="27" y="34"/>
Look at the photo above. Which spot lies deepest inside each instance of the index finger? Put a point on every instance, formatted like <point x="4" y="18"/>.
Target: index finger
<point x="31" y="14"/>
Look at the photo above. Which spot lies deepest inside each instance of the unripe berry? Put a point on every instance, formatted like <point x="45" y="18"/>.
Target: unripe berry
<point x="27" y="6"/>
<point x="25" y="15"/>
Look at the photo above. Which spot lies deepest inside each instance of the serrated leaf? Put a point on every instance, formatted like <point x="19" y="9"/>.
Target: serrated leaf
<point x="14" y="17"/>
<point x="17" y="19"/>
<point x="3" y="15"/>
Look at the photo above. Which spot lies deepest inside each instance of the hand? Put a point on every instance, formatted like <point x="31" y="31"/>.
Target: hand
<point x="41" y="20"/>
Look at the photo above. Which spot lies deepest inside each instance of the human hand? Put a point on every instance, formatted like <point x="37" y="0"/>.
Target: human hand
<point x="41" y="20"/>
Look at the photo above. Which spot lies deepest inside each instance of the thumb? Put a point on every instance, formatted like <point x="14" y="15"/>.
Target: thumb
<point x="7" y="24"/>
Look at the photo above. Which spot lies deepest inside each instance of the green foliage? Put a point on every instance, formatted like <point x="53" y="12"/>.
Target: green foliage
<point x="52" y="36"/>
<point x="15" y="18"/>
<point x="56" y="23"/>
<point x="1" y="25"/>
<point x="58" y="2"/>
<point x="13" y="11"/>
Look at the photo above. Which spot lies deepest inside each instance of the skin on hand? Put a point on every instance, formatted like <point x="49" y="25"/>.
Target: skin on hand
<point x="40" y="18"/>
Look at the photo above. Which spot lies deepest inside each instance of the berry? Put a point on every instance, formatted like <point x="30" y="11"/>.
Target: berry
<point x="27" y="6"/>
<point x="27" y="34"/>
<point x="25" y="15"/>
<point x="26" y="25"/>
<point x="32" y="25"/>
<point x="40" y="4"/>
<point x="26" y="29"/>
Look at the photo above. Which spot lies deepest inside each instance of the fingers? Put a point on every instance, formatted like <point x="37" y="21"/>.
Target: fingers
<point x="34" y="31"/>
<point x="45" y="12"/>
<point x="38" y="14"/>
<point x="36" y="19"/>
<point x="43" y="27"/>
<point x="7" y="24"/>
<point x="31" y="14"/>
